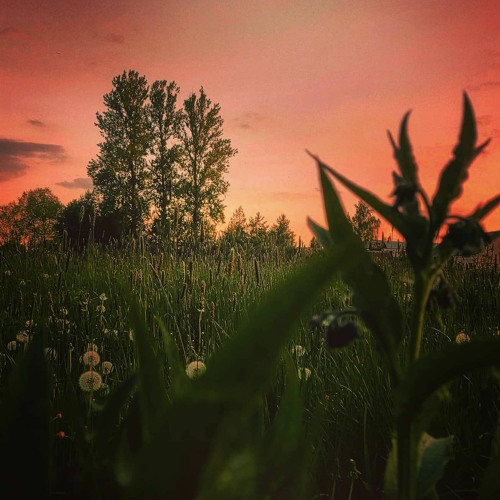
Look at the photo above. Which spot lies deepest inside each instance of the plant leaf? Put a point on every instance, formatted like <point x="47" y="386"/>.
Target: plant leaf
<point x="455" y="172"/>
<point x="413" y="228"/>
<point x="322" y="235"/>
<point x="25" y="439"/>
<point x="153" y="395"/>
<point x="404" y="153"/>
<point x="421" y="381"/>
<point x="372" y="294"/>
<point x="482" y="211"/>
<point x="172" y="463"/>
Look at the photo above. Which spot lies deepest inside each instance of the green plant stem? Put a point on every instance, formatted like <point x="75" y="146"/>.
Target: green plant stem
<point x="422" y="289"/>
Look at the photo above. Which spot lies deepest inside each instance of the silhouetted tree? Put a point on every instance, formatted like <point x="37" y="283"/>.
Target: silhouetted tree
<point x="164" y="122"/>
<point x="237" y="229"/>
<point x="258" y="230"/>
<point x="119" y="172"/>
<point x="364" y="223"/>
<point x="204" y="158"/>
<point x="281" y="234"/>
<point x="31" y="219"/>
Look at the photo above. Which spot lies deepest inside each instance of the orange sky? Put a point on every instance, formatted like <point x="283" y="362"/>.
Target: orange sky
<point x="329" y="76"/>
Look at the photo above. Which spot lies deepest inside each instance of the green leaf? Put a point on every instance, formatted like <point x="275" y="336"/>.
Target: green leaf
<point x="322" y="235"/>
<point x="172" y="463"/>
<point x="177" y="368"/>
<point x="455" y="172"/>
<point x="26" y="438"/>
<point x="422" y="380"/>
<point x="436" y="454"/>
<point x="153" y="395"/>
<point x="482" y="211"/>
<point x="108" y="419"/>
<point x="404" y="153"/>
<point x="432" y="456"/>
<point x="372" y="294"/>
<point x="412" y="228"/>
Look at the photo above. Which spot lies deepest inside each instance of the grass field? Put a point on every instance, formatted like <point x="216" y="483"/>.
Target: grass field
<point x="80" y="302"/>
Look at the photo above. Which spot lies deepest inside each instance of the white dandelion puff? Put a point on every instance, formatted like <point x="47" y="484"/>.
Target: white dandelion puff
<point x="90" y="381"/>
<point x="107" y="367"/>
<point x="195" y="369"/>
<point x="91" y="358"/>
<point x="462" y="338"/>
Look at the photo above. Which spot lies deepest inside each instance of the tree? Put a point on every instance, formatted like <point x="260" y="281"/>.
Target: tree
<point x="237" y="229"/>
<point x="31" y="219"/>
<point x="204" y="158"/>
<point x="364" y="223"/>
<point x="164" y="122"/>
<point x="120" y="171"/>
<point x="258" y="230"/>
<point x="281" y="233"/>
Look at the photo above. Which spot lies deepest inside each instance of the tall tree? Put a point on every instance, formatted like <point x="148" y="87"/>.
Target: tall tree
<point x="164" y="121"/>
<point x="204" y="158"/>
<point x="281" y="233"/>
<point x="119" y="172"/>
<point x="364" y="223"/>
<point x="258" y="230"/>
<point x="31" y="219"/>
<point x="237" y="228"/>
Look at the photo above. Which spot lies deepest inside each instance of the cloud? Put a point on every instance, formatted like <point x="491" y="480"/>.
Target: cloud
<point x="36" y="123"/>
<point x="78" y="183"/>
<point x="492" y="84"/>
<point x="114" y="38"/>
<point x="14" y="155"/>
<point x="246" y="120"/>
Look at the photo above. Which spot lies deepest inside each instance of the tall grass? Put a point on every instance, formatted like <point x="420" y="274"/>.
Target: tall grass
<point x="78" y="299"/>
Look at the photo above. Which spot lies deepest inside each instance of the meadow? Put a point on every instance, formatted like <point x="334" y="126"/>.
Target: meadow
<point x="81" y="300"/>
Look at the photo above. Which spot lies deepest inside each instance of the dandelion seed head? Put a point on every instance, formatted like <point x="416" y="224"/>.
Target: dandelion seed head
<point x="195" y="369"/>
<point x="107" y="367"/>
<point x="91" y="358"/>
<point x="90" y="381"/>
<point x="22" y="337"/>
<point x="461" y="338"/>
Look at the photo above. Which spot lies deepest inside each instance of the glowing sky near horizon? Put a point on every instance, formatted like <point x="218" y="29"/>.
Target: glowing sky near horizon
<point x="327" y="76"/>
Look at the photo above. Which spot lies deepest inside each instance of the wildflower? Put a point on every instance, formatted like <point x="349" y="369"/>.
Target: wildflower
<point x="7" y="272"/>
<point x="46" y="276"/>
<point x="22" y="337"/>
<point x="100" y="309"/>
<point x="195" y="369"/>
<point x="12" y="345"/>
<point x="22" y="283"/>
<point x="103" y="297"/>
<point x="107" y="367"/>
<point x="462" y="338"/>
<point x="304" y="373"/>
<point x="298" y="350"/>
<point x="61" y="435"/>
<point x="92" y="347"/>
<point x="341" y="335"/>
<point x="64" y="311"/>
<point x="91" y="358"/>
<point x="106" y="332"/>
<point x="90" y="381"/>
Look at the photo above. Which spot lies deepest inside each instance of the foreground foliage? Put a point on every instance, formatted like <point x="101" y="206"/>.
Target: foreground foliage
<point x="271" y="410"/>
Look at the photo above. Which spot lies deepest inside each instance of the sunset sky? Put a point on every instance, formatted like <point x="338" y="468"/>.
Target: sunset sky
<point x="327" y="76"/>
